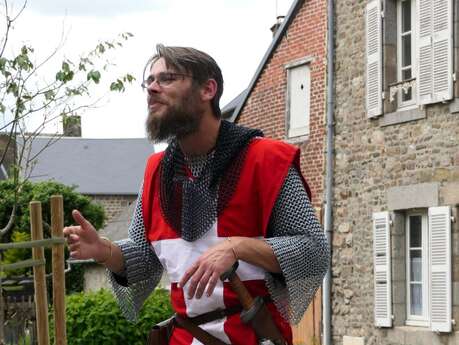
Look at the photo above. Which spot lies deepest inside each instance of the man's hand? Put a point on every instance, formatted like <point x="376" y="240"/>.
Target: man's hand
<point x="84" y="241"/>
<point x="206" y="271"/>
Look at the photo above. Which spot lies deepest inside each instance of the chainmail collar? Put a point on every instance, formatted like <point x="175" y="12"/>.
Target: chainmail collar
<point x="189" y="205"/>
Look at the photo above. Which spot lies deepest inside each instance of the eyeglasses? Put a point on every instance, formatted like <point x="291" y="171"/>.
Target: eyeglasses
<point x="163" y="79"/>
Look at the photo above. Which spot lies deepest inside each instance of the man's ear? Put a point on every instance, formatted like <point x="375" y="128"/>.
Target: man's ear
<point x="208" y="90"/>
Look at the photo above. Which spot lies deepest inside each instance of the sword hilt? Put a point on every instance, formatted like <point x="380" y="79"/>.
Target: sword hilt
<point x="238" y="286"/>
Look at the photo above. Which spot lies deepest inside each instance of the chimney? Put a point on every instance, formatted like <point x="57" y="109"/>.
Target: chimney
<point x="277" y="25"/>
<point x="72" y="126"/>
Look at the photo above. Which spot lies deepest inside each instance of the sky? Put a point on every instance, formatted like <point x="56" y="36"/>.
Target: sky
<point x="235" y="32"/>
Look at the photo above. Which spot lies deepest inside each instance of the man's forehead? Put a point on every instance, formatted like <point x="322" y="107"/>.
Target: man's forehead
<point x="158" y="66"/>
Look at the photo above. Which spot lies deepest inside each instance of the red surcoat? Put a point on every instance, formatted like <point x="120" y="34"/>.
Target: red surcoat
<point x="247" y="214"/>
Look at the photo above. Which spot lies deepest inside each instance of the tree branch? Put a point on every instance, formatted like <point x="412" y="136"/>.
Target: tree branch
<point x="10" y="224"/>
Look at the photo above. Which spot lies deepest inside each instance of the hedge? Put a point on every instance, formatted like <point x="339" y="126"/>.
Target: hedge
<point x="94" y="318"/>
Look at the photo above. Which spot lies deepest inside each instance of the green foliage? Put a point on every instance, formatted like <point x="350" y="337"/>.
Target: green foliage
<point x="15" y="255"/>
<point x="42" y="192"/>
<point x="95" y="318"/>
<point x="94" y="76"/>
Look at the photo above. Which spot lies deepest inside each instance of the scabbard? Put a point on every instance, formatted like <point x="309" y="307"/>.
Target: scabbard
<point x="255" y="311"/>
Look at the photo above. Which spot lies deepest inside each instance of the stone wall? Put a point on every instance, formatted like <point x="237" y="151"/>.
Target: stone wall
<point x="373" y="156"/>
<point x="266" y="105"/>
<point x="95" y="276"/>
<point x="113" y="204"/>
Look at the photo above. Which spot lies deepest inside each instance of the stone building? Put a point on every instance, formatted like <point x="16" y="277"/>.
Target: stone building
<point x="286" y="99"/>
<point x="396" y="181"/>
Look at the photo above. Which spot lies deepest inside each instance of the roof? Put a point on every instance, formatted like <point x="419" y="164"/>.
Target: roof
<point x="275" y="42"/>
<point x="228" y="110"/>
<point x="95" y="166"/>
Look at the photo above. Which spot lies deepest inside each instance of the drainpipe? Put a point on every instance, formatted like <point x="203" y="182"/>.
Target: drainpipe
<point x="327" y="338"/>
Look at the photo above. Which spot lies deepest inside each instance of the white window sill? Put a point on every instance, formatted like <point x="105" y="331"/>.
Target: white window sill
<point x="417" y="323"/>
<point x="297" y="140"/>
<point x="409" y="335"/>
<point x="402" y="116"/>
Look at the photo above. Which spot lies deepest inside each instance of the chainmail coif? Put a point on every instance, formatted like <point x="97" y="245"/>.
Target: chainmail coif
<point x="188" y="204"/>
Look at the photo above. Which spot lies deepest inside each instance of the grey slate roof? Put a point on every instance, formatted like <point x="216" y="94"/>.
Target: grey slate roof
<point x="96" y="166"/>
<point x="228" y="110"/>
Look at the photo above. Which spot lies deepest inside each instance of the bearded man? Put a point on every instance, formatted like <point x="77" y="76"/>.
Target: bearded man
<point x="220" y="193"/>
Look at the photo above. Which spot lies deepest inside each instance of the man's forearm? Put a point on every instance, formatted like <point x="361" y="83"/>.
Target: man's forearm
<point x="256" y="252"/>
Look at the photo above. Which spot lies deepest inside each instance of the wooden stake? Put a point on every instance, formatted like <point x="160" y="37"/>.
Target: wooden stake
<point x="41" y="299"/>
<point x="57" y="225"/>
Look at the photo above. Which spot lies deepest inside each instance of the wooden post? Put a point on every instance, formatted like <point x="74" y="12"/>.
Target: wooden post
<point x="2" y="309"/>
<point x="38" y="253"/>
<point x="57" y="225"/>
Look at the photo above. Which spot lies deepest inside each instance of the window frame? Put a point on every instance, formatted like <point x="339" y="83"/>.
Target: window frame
<point x="424" y="319"/>
<point x="405" y="105"/>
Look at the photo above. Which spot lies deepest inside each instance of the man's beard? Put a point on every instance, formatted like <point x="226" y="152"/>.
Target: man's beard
<point x="178" y="121"/>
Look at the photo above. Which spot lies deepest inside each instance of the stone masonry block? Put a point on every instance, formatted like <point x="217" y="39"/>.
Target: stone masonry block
<point x="347" y="340"/>
<point x="398" y="270"/>
<point x="398" y="292"/>
<point x="412" y="196"/>
<point x="399" y="312"/>
<point x="449" y="193"/>
<point x="456" y="294"/>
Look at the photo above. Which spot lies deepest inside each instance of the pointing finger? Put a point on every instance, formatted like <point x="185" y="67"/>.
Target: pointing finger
<point x="78" y="217"/>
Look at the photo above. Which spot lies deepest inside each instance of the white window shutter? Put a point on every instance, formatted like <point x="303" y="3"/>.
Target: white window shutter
<point x="374" y="58"/>
<point x="299" y="100"/>
<point x="382" y="269"/>
<point x="435" y="51"/>
<point x="440" y="268"/>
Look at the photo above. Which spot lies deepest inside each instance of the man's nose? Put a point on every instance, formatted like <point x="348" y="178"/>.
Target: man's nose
<point x="154" y="87"/>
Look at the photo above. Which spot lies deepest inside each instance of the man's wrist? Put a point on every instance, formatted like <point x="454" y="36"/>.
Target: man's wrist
<point x="232" y="247"/>
<point x="106" y="251"/>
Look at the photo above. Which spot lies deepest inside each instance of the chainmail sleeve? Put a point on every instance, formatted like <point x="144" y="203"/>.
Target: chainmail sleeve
<point x="301" y="249"/>
<point x="143" y="269"/>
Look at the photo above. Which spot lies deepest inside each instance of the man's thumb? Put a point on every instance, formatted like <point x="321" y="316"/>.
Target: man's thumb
<point x="78" y="217"/>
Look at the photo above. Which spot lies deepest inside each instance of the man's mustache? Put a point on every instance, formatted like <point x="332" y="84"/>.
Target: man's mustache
<point x="153" y="99"/>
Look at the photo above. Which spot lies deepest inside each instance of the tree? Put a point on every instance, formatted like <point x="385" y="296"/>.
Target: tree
<point x="25" y="94"/>
<point x="42" y="191"/>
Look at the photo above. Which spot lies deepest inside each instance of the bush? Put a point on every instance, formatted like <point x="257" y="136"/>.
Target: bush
<point x="42" y="191"/>
<point x="95" y="318"/>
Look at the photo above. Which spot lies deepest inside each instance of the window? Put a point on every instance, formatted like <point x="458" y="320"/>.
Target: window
<point x="426" y="252"/>
<point x="417" y="263"/>
<point x="298" y="99"/>
<point x="406" y="61"/>
<point x="409" y="54"/>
